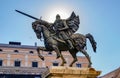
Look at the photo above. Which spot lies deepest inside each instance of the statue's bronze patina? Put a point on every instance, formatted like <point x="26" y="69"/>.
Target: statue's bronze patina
<point x="60" y="36"/>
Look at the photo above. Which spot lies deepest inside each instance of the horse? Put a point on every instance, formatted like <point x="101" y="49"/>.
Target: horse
<point x="53" y="43"/>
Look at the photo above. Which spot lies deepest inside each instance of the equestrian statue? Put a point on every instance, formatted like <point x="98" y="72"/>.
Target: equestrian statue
<point x="60" y="36"/>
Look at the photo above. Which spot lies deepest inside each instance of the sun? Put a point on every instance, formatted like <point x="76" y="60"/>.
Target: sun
<point x="51" y="12"/>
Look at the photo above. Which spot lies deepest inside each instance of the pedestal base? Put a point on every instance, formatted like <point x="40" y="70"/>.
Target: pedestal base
<point x="72" y="72"/>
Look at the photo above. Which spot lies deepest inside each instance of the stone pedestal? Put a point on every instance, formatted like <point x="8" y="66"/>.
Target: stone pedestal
<point x="72" y="72"/>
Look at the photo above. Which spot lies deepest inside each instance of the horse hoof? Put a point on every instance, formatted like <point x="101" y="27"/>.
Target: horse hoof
<point x="62" y="65"/>
<point x="42" y="59"/>
<point x="89" y="66"/>
<point x="70" y="65"/>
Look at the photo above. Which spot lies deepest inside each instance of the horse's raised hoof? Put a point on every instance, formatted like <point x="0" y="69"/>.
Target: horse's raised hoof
<point x="42" y="58"/>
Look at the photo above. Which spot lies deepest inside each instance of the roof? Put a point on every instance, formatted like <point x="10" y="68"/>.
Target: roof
<point x="113" y="74"/>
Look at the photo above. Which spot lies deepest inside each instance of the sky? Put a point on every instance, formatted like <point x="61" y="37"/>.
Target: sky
<point x="98" y="17"/>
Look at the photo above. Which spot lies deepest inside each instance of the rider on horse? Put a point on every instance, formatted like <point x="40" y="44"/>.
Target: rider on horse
<point x="62" y="30"/>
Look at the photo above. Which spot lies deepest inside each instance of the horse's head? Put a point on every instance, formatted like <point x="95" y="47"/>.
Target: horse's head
<point x="41" y="28"/>
<point x="37" y="27"/>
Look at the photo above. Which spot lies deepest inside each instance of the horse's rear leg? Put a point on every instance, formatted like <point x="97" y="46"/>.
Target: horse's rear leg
<point x="74" y="58"/>
<point x="87" y="56"/>
<point x="71" y="64"/>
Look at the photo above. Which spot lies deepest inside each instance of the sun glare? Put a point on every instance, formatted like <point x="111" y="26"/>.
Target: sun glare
<point x="51" y="13"/>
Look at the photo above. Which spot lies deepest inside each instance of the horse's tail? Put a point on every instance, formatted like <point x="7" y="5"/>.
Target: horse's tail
<point x="92" y="41"/>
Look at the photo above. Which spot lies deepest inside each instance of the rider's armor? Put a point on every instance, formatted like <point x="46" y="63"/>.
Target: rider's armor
<point x="61" y="30"/>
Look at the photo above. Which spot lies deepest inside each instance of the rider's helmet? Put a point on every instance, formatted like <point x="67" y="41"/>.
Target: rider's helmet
<point x="57" y="16"/>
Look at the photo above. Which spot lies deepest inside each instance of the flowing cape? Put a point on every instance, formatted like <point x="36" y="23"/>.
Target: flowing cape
<point x="73" y="22"/>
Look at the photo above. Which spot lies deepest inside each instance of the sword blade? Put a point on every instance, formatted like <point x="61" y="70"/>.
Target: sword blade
<point x="26" y="15"/>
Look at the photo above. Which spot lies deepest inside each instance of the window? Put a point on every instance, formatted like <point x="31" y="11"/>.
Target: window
<point x="31" y="52"/>
<point x="34" y="64"/>
<point x="1" y="50"/>
<point x="16" y="51"/>
<point x="78" y="65"/>
<point x="55" y="63"/>
<point x="1" y="62"/>
<point x="17" y="63"/>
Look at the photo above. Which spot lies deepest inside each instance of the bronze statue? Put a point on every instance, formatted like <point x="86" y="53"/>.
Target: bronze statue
<point x="60" y="36"/>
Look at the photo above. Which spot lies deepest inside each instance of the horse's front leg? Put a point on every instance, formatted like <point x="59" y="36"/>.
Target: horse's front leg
<point x="59" y="53"/>
<point x="38" y="51"/>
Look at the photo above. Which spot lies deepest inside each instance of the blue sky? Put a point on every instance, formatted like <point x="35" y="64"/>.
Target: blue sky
<point x="98" y="17"/>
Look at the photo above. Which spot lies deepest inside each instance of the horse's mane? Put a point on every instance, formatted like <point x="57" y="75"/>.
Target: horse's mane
<point x="48" y="28"/>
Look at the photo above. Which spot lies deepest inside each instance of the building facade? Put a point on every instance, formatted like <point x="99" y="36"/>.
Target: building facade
<point x="15" y="57"/>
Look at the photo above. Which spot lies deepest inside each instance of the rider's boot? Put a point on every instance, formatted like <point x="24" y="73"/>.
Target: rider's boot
<point x="70" y="44"/>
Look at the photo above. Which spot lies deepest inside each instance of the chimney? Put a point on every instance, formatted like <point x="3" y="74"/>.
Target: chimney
<point x="14" y="43"/>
